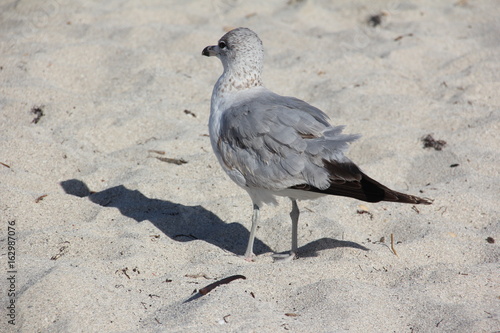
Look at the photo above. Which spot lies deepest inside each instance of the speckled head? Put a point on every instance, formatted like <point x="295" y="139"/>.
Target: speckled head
<point x="242" y="55"/>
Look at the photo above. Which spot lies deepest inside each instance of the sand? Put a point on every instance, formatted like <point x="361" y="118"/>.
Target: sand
<point x="108" y="235"/>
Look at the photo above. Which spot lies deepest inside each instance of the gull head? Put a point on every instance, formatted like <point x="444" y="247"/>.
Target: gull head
<point x="242" y="55"/>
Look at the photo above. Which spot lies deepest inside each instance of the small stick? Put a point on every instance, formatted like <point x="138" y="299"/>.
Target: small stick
<point x="392" y="245"/>
<point x="190" y="113"/>
<point x="40" y="198"/>
<point x="207" y="289"/>
<point x="172" y="160"/>
<point x="362" y="211"/>
<point x="161" y="152"/>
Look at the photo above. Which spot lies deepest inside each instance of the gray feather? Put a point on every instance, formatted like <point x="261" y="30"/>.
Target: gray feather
<point x="277" y="142"/>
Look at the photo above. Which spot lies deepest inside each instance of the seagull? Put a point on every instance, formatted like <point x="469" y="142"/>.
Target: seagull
<point x="273" y="145"/>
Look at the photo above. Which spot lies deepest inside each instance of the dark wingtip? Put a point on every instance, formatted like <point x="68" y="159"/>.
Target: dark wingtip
<point x="386" y="194"/>
<point x="348" y="180"/>
<point x="407" y="198"/>
<point x="424" y="201"/>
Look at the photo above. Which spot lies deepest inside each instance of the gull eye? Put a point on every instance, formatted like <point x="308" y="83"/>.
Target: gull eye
<point x="222" y="44"/>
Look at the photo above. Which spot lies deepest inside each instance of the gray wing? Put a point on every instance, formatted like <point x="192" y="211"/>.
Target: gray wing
<point x="277" y="142"/>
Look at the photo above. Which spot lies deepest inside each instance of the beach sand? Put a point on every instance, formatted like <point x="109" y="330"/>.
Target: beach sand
<point x="101" y="105"/>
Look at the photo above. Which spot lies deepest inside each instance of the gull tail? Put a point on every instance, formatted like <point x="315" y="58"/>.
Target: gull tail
<point x="347" y="180"/>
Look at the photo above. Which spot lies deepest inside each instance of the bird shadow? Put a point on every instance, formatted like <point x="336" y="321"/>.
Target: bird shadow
<point x="187" y="223"/>
<point x="179" y="222"/>
<point x="311" y="249"/>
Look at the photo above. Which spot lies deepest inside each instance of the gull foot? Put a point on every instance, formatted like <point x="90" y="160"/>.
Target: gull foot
<point x="284" y="257"/>
<point x="248" y="257"/>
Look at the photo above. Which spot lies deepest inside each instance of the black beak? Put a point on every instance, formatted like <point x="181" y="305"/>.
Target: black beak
<point x="209" y="51"/>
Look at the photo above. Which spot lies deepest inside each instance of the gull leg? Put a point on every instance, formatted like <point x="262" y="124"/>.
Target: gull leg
<point x="294" y="214"/>
<point x="255" y="220"/>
